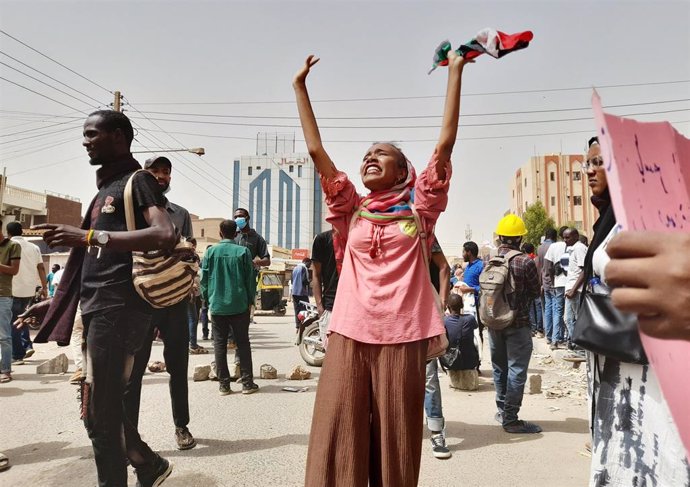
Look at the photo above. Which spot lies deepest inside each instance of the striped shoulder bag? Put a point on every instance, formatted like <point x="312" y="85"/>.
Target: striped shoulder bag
<point x="162" y="278"/>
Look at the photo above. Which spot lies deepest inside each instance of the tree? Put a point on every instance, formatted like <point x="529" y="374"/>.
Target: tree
<point x="537" y="221"/>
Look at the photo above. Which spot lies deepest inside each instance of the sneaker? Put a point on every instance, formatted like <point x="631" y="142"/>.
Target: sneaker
<point x="204" y="338"/>
<point x="184" y="439"/>
<point x="250" y="389"/>
<point x="548" y="342"/>
<point x="155" y="475"/>
<point x="499" y="417"/>
<point x="438" y="446"/>
<point x="29" y="353"/>
<point x="224" y="388"/>
<point x="522" y="427"/>
<point x="77" y="377"/>
<point x="554" y="346"/>
<point x="18" y="362"/>
<point x="540" y="334"/>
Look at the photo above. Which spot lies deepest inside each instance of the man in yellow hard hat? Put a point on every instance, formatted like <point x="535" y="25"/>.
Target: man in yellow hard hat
<point x="505" y="311"/>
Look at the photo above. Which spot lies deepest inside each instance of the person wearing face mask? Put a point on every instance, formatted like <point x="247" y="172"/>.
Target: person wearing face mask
<point x="248" y="237"/>
<point x="173" y="324"/>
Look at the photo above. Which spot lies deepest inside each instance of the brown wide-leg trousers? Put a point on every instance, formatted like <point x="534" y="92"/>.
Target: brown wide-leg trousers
<point x="368" y="416"/>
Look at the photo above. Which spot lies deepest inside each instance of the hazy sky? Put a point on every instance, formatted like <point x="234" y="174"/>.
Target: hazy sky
<point x="171" y="56"/>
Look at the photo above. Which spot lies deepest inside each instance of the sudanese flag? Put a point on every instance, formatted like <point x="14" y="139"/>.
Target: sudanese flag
<point x="487" y="41"/>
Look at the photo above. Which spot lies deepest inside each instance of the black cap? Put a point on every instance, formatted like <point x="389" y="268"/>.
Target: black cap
<point x="157" y="160"/>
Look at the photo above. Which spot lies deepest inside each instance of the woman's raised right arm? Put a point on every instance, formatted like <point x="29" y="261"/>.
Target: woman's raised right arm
<point x="312" y="137"/>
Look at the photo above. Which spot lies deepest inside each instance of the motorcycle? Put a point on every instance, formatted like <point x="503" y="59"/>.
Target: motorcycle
<point x="309" y="336"/>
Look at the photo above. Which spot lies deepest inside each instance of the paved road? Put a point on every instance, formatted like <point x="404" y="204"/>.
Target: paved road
<point x="261" y="439"/>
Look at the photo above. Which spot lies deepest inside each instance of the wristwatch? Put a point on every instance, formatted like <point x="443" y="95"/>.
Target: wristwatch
<point x="102" y="239"/>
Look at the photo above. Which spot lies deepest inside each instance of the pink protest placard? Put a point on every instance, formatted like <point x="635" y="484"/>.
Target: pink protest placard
<point x="648" y="173"/>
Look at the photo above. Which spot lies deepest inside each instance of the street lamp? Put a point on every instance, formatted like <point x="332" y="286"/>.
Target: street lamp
<point x="199" y="151"/>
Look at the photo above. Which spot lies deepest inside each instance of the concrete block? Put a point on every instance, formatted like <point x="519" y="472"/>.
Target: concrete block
<point x="268" y="372"/>
<point x="535" y="384"/>
<point x="465" y="380"/>
<point x="201" y="372"/>
<point x="56" y="365"/>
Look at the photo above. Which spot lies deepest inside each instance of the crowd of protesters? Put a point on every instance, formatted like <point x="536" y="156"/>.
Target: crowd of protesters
<point x="389" y="270"/>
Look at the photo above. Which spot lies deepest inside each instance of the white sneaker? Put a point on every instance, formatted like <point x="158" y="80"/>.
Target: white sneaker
<point x="438" y="446"/>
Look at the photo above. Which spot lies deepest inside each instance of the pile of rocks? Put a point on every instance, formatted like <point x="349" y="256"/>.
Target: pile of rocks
<point x="267" y="371"/>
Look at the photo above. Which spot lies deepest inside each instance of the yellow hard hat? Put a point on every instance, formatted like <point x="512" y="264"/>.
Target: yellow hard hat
<point x="511" y="226"/>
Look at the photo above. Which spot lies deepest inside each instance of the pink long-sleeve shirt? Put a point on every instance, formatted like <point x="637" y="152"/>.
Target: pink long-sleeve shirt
<point x="389" y="298"/>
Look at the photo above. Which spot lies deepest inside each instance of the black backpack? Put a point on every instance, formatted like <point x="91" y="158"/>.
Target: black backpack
<point x="451" y="360"/>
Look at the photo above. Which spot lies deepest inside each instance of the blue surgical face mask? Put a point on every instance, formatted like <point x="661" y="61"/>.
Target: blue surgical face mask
<point x="241" y="222"/>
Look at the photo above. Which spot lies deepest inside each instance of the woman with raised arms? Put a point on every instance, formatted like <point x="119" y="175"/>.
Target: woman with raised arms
<point x="368" y="416"/>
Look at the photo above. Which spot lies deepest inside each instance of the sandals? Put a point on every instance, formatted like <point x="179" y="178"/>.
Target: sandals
<point x="4" y="462"/>
<point x="198" y="350"/>
<point x="5" y="378"/>
<point x="157" y="366"/>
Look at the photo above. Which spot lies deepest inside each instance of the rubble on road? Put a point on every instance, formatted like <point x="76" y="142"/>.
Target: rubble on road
<point x="56" y="365"/>
<point x="298" y="373"/>
<point x="267" y="371"/>
<point x="564" y="380"/>
<point x="201" y="372"/>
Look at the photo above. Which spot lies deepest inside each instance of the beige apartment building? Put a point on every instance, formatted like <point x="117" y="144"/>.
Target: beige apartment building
<point x="558" y="182"/>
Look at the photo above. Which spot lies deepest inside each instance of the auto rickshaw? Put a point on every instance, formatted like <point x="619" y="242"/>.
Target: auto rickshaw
<point x="269" y="292"/>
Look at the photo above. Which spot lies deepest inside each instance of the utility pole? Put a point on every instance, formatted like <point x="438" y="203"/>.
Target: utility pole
<point x="117" y="102"/>
<point x="2" y="190"/>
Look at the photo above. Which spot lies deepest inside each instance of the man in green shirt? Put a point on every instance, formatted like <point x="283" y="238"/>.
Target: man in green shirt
<point x="228" y="286"/>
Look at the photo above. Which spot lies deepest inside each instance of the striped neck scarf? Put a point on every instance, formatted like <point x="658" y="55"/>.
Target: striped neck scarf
<point x="380" y="208"/>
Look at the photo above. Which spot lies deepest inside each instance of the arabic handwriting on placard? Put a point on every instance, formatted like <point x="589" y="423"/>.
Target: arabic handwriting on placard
<point x="645" y="168"/>
<point x="677" y="220"/>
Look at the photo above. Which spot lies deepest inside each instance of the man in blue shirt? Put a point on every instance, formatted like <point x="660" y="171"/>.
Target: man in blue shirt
<point x="475" y="265"/>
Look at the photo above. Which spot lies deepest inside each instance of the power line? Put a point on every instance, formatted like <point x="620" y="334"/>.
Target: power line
<point x="47" y="84"/>
<point x="40" y="135"/>
<point x="50" y="77"/>
<point x="141" y="131"/>
<point x="41" y="94"/>
<point x="188" y="178"/>
<point x="56" y="62"/>
<point x="39" y="115"/>
<point x="368" y="141"/>
<point x="303" y="226"/>
<point x="173" y="138"/>
<point x="359" y="127"/>
<point x="392" y="98"/>
<point x="34" y="150"/>
<point x="391" y="117"/>
<point x="396" y="117"/>
<point x="36" y="128"/>
<point x="52" y="164"/>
